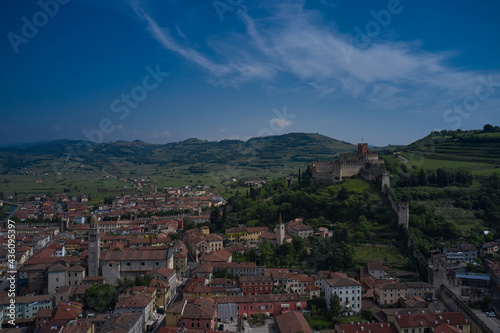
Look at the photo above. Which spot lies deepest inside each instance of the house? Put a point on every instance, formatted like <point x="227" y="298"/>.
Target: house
<point x="76" y="274"/>
<point x="388" y="292"/>
<point x="193" y="313"/>
<point x="461" y="253"/>
<point x="349" y="292"/>
<point x="491" y="247"/>
<point x="169" y="275"/>
<point x="28" y="306"/>
<point x="162" y="293"/>
<point x="297" y="227"/>
<point x="241" y="306"/>
<point x="199" y="242"/>
<point x="238" y="268"/>
<point x="136" y="303"/>
<point x="244" y="234"/>
<point x="124" y="323"/>
<point x="256" y="284"/>
<point x="377" y="271"/>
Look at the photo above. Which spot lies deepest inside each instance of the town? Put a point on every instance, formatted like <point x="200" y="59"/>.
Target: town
<point x="150" y="263"/>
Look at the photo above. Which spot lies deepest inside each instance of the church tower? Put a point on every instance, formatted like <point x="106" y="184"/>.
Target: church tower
<point x="280" y="232"/>
<point x="94" y="247"/>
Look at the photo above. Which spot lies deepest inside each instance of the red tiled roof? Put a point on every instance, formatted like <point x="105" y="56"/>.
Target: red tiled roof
<point x="431" y="319"/>
<point x="292" y="322"/>
<point x="134" y="301"/>
<point x="368" y="327"/>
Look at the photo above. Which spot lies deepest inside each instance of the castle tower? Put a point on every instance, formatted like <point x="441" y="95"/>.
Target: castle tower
<point x="280" y="232"/>
<point x="94" y="247"/>
<point x="386" y="182"/>
<point x="362" y="148"/>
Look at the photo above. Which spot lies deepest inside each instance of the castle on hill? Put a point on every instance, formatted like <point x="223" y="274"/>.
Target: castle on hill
<point x="347" y="165"/>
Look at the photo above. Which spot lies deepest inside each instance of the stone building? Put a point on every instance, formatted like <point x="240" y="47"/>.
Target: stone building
<point x="347" y="165"/>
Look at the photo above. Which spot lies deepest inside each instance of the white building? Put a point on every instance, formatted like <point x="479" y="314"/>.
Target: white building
<point x="461" y="253"/>
<point x="349" y="292"/>
<point x="28" y="306"/>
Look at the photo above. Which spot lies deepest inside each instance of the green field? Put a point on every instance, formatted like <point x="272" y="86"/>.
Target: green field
<point x="319" y="323"/>
<point x="387" y="254"/>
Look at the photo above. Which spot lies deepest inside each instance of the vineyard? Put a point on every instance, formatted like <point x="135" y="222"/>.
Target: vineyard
<point x="387" y="254"/>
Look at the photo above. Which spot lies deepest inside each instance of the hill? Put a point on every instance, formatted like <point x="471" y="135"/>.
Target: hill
<point x="80" y="166"/>
<point x="476" y="150"/>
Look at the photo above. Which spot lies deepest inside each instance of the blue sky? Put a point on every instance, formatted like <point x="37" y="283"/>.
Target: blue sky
<point x="387" y="72"/>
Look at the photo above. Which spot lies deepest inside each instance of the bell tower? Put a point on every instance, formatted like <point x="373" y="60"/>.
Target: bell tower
<point x="280" y="232"/>
<point x="94" y="247"/>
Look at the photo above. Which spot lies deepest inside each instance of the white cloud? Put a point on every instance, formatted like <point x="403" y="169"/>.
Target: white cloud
<point x="280" y="123"/>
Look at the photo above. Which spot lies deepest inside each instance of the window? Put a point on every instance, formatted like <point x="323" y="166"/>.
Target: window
<point x="207" y="325"/>
<point x="192" y="324"/>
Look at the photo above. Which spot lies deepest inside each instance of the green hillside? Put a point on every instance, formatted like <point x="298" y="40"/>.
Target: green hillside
<point x="79" y="166"/>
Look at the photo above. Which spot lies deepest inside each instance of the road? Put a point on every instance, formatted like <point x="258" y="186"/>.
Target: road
<point x="492" y="322"/>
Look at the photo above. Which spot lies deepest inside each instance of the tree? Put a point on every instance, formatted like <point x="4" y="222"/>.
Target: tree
<point x="215" y="217"/>
<point x="488" y="128"/>
<point x="422" y="178"/>
<point x="101" y="298"/>
<point x="266" y="253"/>
<point x="298" y="243"/>
<point x="343" y="194"/>
<point x="334" y="313"/>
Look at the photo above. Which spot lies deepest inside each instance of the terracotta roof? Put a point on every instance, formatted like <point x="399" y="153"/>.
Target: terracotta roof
<point x="430" y="319"/>
<point x="67" y="311"/>
<point x="342" y="282"/>
<point x="134" y="255"/>
<point x="255" y="278"/>
<point x="166" y="272"/>
<point x="196" y="308"/>
<point x="155" y="283"/>
<point x="216" y="256"/>
<point x="257" y="298"/>
<point x="120" y="324"/>
<point x="134" y="301"/>
<point x="376" y="266"/>
<point x="76" y="268"/>
<point x="292" y="322"/>
<point x="203" y="268"/>
<point x="445" y="328"/>
<point x="368" y="327"/>
<point x="34" y="298"/>
<point x="268" y="235"/>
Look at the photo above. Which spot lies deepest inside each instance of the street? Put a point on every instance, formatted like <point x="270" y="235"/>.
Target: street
<point x="492" y="322"/>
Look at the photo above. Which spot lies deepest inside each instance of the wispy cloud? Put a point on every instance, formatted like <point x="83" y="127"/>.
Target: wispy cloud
<point x="292" y="40"/>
